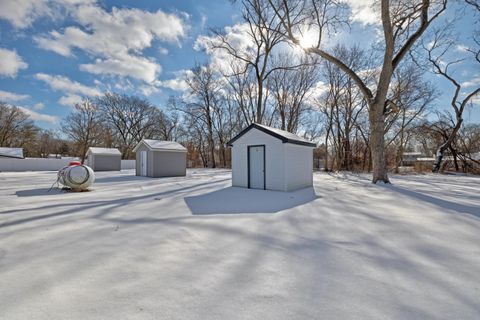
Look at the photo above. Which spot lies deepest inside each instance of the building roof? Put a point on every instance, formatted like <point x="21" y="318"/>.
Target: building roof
<point x="285" y="136"/>
<point x="159" y="145"/>
<point x="11" y="152"/>
<point x="104" y="151"/>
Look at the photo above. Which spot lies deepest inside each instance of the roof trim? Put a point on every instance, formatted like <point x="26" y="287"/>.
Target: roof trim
<point x="273" y="134"/>
<point x="91" y="150"/>
<point x="156" y="149"/>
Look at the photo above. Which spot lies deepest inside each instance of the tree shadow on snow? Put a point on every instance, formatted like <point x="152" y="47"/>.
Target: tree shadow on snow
<point x="233" y="200"/>
<point x="120" y="178"/>
<point x="39" y="192"/>
<point x="448" y="205"/>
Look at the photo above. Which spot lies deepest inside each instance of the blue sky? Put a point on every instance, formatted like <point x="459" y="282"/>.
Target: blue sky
<point x="55" y="51"/>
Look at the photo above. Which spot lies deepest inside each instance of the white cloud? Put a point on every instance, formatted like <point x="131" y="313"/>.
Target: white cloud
<point x="362" y="11"/>
<point x="148" y="90"/>
<point x="124" y="66"/>
<point x="39" y="116"/>
<point x="38" y="106"/>
<point x="237" y="36"/>
<point x="178" y="83"/>
<point x="475" y="100"/>
<point x="116" y="39"/>
<point x="11" y="96"/>
<point x="22" y="13"/>
<point x="473" y="82"/>
<point x="73" y="90"/>
<point x="163" y="51"/>
<point x="70" y="100"/>
<point x="64" y="84"/>
<point x="10" y="63"/>
<point x="461" y="48"/>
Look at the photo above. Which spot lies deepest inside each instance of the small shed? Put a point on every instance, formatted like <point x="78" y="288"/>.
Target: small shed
<point x="156" y="158"/>
<point x="271" y="159"/>
<point x="104" y="159"/>
<point x="11" y="153"/>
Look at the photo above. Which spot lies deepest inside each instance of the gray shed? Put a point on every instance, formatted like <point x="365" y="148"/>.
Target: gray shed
<point x="11" y="153"/>
<point x="104" y="159"/>
<point x="155" y="158"/>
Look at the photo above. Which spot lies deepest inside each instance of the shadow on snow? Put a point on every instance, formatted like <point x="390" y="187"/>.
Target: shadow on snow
<point x="241" y="200"/>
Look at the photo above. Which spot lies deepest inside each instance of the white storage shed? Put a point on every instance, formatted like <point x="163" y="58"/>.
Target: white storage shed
<point x="156" y="158"/>
<point x="104" y="159"/>
<point x="271" y="159"/>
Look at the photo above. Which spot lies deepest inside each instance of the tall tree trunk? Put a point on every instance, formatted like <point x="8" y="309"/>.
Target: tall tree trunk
<point x="259" y="117"/>
<point x="325" y="164"/>
<point x="377" y="144"/>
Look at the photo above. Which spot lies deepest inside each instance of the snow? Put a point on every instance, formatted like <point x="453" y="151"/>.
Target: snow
<point x="104" y="151"/>
<point x="195" y="248"/>
<point x="159" y="145"/>
<point x="11" y="152"/>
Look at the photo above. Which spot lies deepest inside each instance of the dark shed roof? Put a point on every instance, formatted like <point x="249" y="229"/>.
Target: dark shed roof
<point x="285" y="136"/>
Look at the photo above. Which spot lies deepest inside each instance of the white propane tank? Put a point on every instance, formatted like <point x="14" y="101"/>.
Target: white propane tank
<point x="76" y="176"/>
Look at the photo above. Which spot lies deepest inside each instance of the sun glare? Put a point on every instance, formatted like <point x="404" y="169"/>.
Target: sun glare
<point x="308" y="39"/>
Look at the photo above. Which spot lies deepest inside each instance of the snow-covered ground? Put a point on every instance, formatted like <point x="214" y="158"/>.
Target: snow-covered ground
<point x="195" y="248"/>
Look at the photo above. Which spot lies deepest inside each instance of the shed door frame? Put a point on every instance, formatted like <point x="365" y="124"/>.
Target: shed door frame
<point x="143" y="163"/>
<point x="264" y="166"/>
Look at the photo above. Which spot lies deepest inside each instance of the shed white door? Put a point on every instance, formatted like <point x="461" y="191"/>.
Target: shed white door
<point x="143" y="163"/>
<point x="256" y="167"/>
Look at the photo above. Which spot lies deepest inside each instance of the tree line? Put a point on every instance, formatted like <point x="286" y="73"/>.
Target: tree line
<point x="365" y="106"/>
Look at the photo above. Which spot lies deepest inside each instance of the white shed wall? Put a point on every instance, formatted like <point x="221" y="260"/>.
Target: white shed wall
<point x="298" y="166"/>
<point x="274" y="163"/>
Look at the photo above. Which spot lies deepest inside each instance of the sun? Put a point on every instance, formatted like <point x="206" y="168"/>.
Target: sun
<point x="308" y="39"/>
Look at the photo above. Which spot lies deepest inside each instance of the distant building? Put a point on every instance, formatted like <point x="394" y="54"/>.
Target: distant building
<point x="409" y="158"/>
<point x="11" y="153"/>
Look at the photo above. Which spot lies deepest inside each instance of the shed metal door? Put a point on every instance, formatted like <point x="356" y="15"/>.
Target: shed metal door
<point x="143" y="163"/>
<point x="256" y="167"/>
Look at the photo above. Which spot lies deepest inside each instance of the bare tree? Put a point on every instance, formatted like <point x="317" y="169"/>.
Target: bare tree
<point x="84" y="126"/>
<point x="411" y="95"/>
<point x="290" y="90"/>
<point x="253" y="60"/>
<point x="16" y="127"/>
<point x="437" y="55"/>
<point x="130" y="118"/>
<point x="403" y="23"/>
<point x="204" y="102"/>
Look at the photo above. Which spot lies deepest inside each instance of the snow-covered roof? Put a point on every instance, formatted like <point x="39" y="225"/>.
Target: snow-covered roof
<point x="11" y="152"/>
<point x="285" y="136"/>
<point x="159" y="145"/>
<point x="104" y="151"/>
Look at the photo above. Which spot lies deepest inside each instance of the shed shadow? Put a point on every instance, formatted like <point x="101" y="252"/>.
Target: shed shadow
<point x="234" y="200"/>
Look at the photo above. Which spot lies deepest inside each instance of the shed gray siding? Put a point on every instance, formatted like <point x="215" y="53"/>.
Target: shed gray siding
<point x="169" y="164"/>
<point x="106" y="162"/>
<point x="101" y="162"/>
<point x="162" y="163"/>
